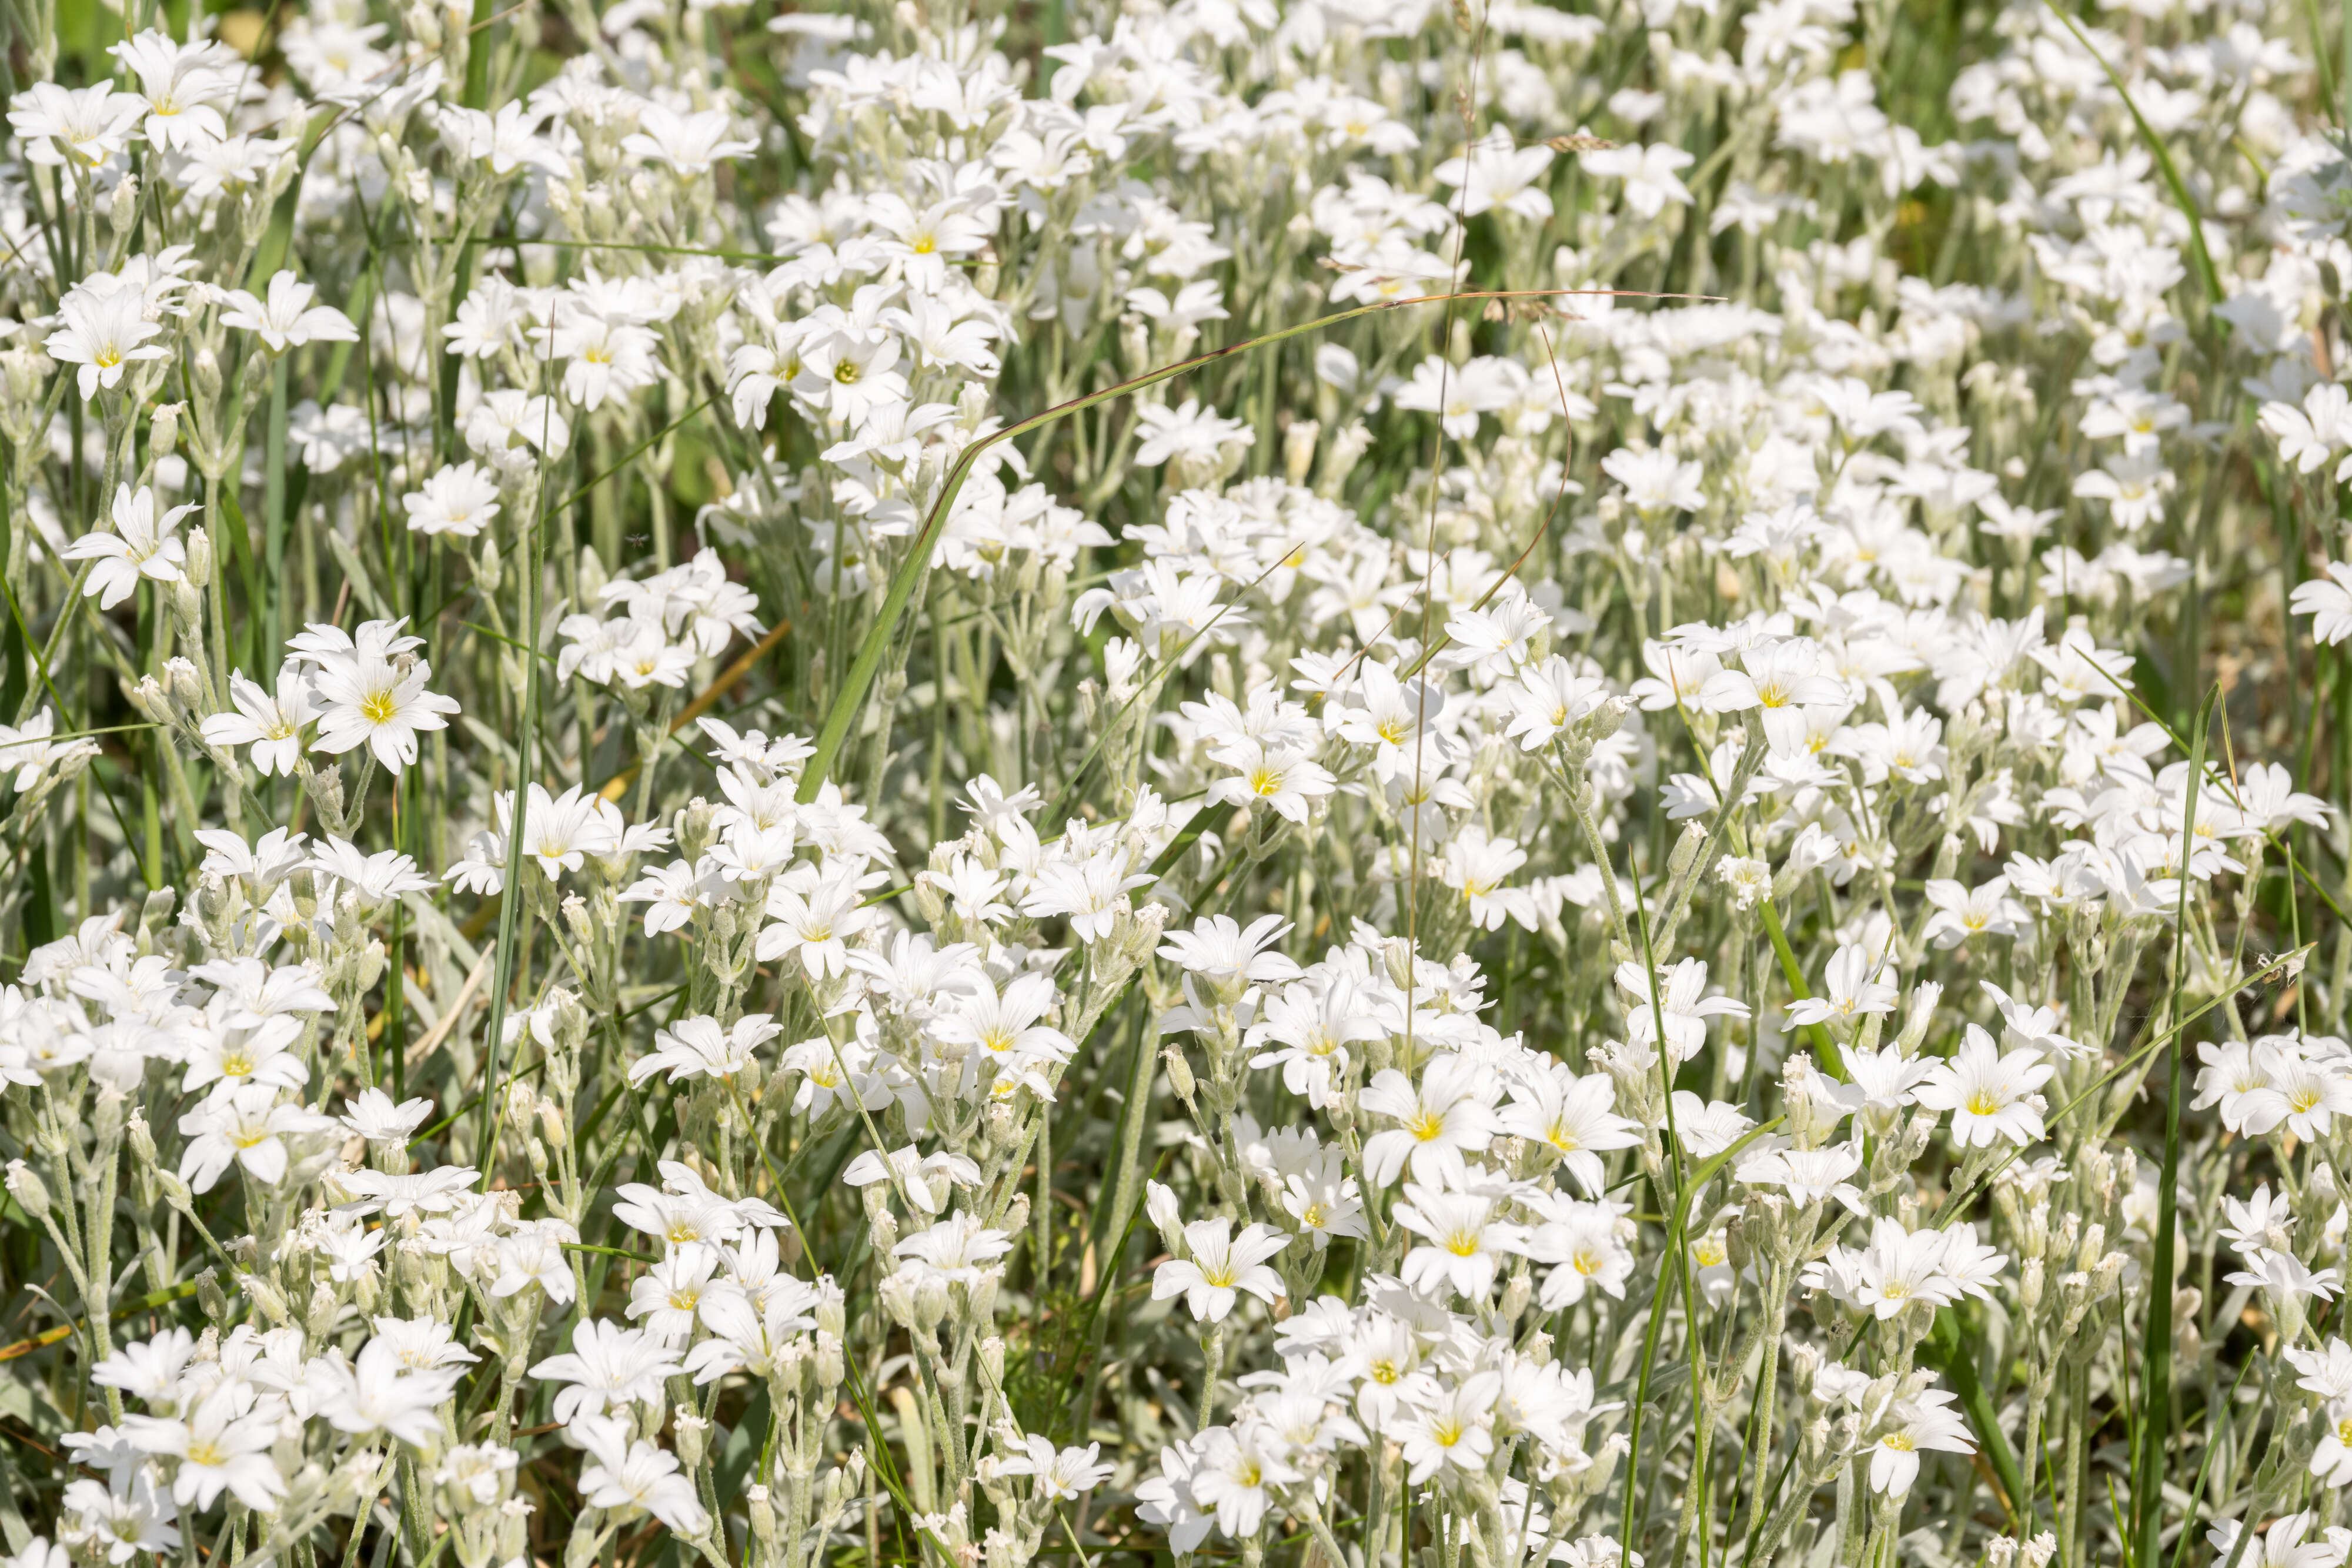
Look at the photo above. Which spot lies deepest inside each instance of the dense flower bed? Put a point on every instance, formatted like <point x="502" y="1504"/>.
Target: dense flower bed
<point x="1356" y="783"/>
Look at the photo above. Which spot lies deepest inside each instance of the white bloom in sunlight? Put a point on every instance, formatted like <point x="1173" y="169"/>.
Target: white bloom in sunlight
<point x="1475" y="866"/>
<point x="1285" y="781"/>
<point x="373" y="1115"/>
<point x="2283" y="1546"/>
<point x="1652" y="174"/>
<point x="179" y="85"/>
<point x="1656" y="482"/>
<point x="1991" y="1096"/>
<point x="559" y="832"/>
<point x="1708" y="1127"/>
<point x="1849" y="990"/>
<point x="1552" y="699"/>
<point x="222" y="1446"/>
<point x="2331" y="1459"/>
<point x="1222" y="1265"/>
<point x="269" y="722"/>
<point x="286" y="319"/>
<point x="607" y="1366"/>
<point x="1682" y="1001"/>
<point x="1914" y="1423"/>
<point x="1497" y="174"/>
<point x="376" y="1392"/>
<point x="1188" y="431"/>
<point x="28" y="750"/>
<point x="1585" y="1243"/>
<point x="104" y="334"/>
<point x="1058" y="1475"/>
<point x="637" y="1475"/>
<point x="2285" y="1278"/>
<point x="85" y="127"/>
<point x="246" y="1127"/>
<point x="700" y="1048"/>
<point x="689" y="143"/>
<point x="506" y="420"/>
<point x="925" y="1181"/>
<point x="180" y="82"/>
<point x="368" y="701"/>
<point x="507" y="142"/>
<point x="1234" y="1472"/>
<point x="142" y="545"/>
<point x="1964" y="912"/>
<point x="2309" y="437"/>
<point x="2328" y="600"/>
<point x="1463" y="1242"/>
<point x="460" y="499"/>
<point x="813" y="926"/>
<point x="1091" y="893"/>
<point x="1452" y="1429"/>
<point x="1450" y="1113"/>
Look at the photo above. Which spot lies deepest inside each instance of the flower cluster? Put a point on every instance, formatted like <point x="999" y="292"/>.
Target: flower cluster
<point x="1275" y="781"/>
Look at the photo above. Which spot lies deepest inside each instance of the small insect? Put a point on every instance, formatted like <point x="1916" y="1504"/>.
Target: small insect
<point x="638" y="538"/>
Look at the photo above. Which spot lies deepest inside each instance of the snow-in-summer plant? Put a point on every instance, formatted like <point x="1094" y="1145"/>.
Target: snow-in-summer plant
<point x="1364" y="785"/>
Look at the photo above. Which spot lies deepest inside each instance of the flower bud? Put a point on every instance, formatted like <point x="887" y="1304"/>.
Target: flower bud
<point x="1180" y="1074"/>
<point x="1298" y="449"/>
<point x="25" y="1186"/>
<point x="211" y="1297"/>
<point x="163" y="430"/>
<point x="265" y="1298"/>
<point x="123" y="209"/>
<point x="693" y="1434"/>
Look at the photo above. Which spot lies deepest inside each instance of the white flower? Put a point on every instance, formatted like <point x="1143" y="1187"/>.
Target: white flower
<point x="689" y="143"/>
<point x="2282" y="1545"/>
<point x="1221" y="1266"/>
<point x="1921" y="1422"/>
<point x="460" y="499"/>
<point x="247" y="1127"/>
<point x="2328" y="600"/>
<point x="1449" y="1113"/>
<point x="635" y="1475"/>
<point x="104" y="334"/>
<point x="607" y="1365"/>
<point x="85" y="127"/>
<point x="223" y="1446"/>
<point x="141" y="546"/>
<point x="1494" y="174"/>
<point x="1850" y="990"/>
<point x="286" y="319"/>
<point x="369" y="701"/>
<point x="271" y="723"/>
<point x="1651" y="174"/>
<point x="699" y="1048"/>
<point x="1991" y="1096"/>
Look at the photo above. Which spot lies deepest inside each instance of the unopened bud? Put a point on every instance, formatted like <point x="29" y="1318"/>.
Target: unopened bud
<point x="1298" y="449"/>
<point x="265" y="1297"/>
<point x="1180" y="1074"/>
<point x="122" y="211"/>
<point x="693" y="1434"/>
<point x="163" y="430"/>
<point x="211" y="1297"/>
<point x="25" y="1186"/>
